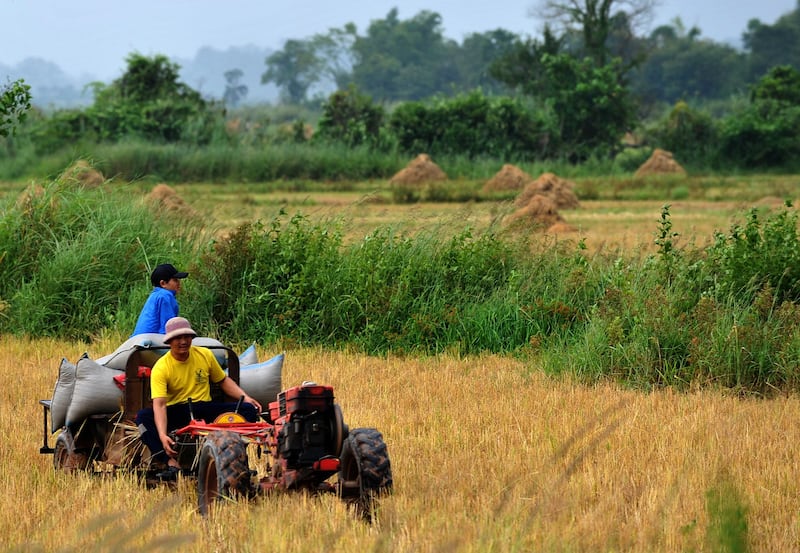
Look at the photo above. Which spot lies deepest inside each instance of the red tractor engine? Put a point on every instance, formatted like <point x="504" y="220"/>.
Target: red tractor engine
<point x="306" y="439"/>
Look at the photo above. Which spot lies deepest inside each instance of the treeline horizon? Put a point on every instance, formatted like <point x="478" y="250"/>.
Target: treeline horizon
<point x="562" y="98"/>
<point x="678" y="62"/>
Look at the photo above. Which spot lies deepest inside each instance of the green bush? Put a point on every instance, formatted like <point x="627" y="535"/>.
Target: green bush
<point x="470" y="125"/>
<point x="76" y="261"/>
<point x="691" y="135"/>
<point x="350" y="118"/>
<point x="756" y="255"/>
<point x="765" y="133"/>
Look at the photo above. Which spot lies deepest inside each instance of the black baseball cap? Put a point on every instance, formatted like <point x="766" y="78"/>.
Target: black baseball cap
<point x="165" y="272"/>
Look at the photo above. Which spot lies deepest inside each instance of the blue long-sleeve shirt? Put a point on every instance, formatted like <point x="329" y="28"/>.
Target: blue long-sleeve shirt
<point x="160" y="307"/>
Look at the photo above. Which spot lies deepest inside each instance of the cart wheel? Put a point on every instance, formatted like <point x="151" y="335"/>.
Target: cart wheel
<point x="223" y="469"/>
<point x="65" y="458"/>
<point x="365" y="471"/>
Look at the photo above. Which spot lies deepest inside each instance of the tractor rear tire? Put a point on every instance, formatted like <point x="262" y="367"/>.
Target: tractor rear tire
<point x="365" y="471"/>
<point x="223" y="470"/>
<point x="65" y="458"/>
<point x="338" y="430"/>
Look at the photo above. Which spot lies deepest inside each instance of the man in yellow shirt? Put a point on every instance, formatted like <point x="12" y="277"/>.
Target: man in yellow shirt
<point x="185" y="373"/>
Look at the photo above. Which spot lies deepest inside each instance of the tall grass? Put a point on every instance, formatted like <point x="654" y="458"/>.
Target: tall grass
<point x="77" y="260"/>
<point x="76" y="264"/>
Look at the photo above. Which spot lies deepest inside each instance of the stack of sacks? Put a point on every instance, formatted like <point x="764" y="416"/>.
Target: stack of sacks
<point x="89" y="387"/>
<point x="83" y="389"/>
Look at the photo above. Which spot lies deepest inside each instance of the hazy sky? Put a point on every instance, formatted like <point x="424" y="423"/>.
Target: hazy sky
<point x="94" y="36"/>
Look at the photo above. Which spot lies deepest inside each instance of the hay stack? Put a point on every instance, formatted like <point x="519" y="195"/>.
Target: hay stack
<point x="509" y="177"/>
<point x="167" y="200"/>
<point x="661" y="162"/>
<point x="81" y="173"/>
<point x="421" y="170"/>
<point x="549" y="185"/>
<point x="561" y="228"/>
<point x="29" y="196"/>
<point x="540" y="211"/>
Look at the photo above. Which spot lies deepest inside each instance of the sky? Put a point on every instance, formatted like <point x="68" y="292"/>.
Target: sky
<point x="93" y="37"/>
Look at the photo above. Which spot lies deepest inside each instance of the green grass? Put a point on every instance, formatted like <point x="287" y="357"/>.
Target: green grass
<point x="76" y="262"/>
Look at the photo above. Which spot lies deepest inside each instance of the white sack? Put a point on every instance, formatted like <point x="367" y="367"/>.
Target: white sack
<point x="62" y="395"/>
<point x="95" y="391"/>
<point x="248" y="356"/>
<point x="262" y="381"/>
<point x="119" y="358"/>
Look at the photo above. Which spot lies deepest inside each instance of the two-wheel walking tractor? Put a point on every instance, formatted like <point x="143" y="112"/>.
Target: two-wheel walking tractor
<point x="300" y="443"/>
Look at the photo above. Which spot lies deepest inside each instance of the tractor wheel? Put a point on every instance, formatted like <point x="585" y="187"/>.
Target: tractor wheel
<point x="65" y="458"/>
<point x="339" y="430"/>
<point x="223" y="470"/>
<point x="365" y="471"/>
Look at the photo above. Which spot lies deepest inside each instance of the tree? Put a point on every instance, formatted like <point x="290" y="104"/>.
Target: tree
<point x="234" y="92"/>
<point x="771" y="45"/>
<point x="151" y="79"/>
<point x="780" y="84"/>
<point x="293" y="70"/>
<point x="15" y="101"/>
<point x="521" y="67"/>
<point x="404" y="60"/>
<point x="765" y="134"/>
<point x="334" y="51"/>
<point x="476" y="55"/>
<point x="591" y="105"/>
<point x="149" y="101"/>
<point x="596" y="21"/>
<point x="351" y="118"/>
<point x="683" y="66"/>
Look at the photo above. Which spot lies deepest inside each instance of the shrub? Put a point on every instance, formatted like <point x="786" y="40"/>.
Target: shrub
<point x="689" y="134"/>
<point x="470" y="125"/>
<point x="351" y="118"/>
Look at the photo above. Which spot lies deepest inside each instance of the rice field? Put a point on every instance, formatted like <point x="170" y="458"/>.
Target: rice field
<point x="488" y="454"/>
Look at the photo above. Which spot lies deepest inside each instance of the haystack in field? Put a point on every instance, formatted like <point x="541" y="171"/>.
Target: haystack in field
<point x="561" y="228"/>
<point x="81" y="173"/>
<point x="540" y="212"/>
<point x="509" y="177"/>
<point x="551" y="186"/>
<point x="28" y="196"/>
<point x="165" y="199"/>
<point x="420" y="170"/>
<point x="660" y="162"/>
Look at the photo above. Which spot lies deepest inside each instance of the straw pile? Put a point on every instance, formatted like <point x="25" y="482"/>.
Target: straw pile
<point x="165" y="199"/>
<point x="558" y="190"/>
<point x="81" y="173"/>
<point x="509" y="177"/>
<point x="420" y="170"/>
<point x="660" y="162"/>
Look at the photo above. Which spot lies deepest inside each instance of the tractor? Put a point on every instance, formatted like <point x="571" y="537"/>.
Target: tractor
<point x="300" y="443"/>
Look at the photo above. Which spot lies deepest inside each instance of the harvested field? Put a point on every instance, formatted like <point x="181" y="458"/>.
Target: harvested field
<point x="488" y="454"/>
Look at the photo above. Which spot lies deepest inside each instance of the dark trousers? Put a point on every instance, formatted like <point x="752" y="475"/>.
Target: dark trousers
<point x="179" y="416"/>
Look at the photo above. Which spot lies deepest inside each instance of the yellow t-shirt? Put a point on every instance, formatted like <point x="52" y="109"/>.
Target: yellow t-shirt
<point x="180" y="380"/>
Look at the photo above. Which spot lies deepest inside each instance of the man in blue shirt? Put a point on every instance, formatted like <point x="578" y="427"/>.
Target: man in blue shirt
<point x="162" y="304"/>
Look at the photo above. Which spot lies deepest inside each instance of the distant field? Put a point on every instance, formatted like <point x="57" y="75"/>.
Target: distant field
<point x="614" y="212"/>
<point x="616" y="215"/>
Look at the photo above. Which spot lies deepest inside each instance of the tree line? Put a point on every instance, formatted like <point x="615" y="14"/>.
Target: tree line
<point x="398" y="60"/>
<point x="570" y="94"/>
